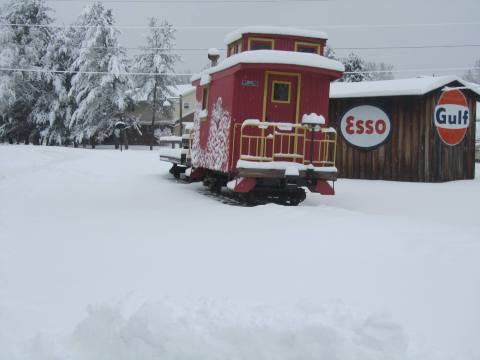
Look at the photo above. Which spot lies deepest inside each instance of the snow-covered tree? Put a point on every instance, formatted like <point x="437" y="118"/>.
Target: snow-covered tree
<point x="7" y="89"/>
<point x="379" y="71"/>
<point x="330" y="53"/>
<point x="157" y="57"/>
<point x="53" y="110"/>
<point x="22" y="47"/>
<point x="473" y="75"/>
<point x="355" y="70"/>
<point x="100" y="84"/>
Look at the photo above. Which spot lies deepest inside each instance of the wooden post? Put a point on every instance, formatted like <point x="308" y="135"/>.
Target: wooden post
<point x="125" y="139"/>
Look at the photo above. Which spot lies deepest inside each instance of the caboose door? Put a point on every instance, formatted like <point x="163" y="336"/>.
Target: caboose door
<point x="281" y="97"/>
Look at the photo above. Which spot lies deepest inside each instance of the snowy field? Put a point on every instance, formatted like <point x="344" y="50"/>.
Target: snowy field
<point x="103" y="256"/>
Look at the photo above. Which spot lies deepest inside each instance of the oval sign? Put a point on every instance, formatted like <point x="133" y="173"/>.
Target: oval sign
<point x="365" y="126"/>
<point x="452" y="117"/>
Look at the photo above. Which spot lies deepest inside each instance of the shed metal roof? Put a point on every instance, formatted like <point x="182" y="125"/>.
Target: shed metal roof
<point x="398" y="87"/>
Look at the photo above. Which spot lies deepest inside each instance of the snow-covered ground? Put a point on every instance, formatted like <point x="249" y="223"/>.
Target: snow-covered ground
<point x="104" y="256"/>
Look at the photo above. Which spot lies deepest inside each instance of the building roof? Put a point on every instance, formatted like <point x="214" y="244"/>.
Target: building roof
<point x="273" y="30"/>
<point x="182" y="89"/>
<point x="272" y="57"/>
<point x="400" y="87"/>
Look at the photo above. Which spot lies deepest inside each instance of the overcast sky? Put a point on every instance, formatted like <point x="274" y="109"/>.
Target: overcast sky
<point x="353" y="15"/>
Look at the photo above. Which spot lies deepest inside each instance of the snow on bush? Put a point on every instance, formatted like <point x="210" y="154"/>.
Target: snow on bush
<point x="207" y="330"/>
<point x="215" y="156"/>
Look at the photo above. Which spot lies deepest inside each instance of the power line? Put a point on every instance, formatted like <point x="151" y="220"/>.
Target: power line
<point x="409" y="47"/>
<point x="210" y="27"/>
<point x="400" y="47"/>
<point x="190" y="1"/>
<point x="48" y="71"/>
<point x="40" y="70"/>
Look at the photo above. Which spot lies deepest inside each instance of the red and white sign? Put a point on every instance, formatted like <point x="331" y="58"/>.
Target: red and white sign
<point x="452" y="117"/>
<point x="365" y="126"/>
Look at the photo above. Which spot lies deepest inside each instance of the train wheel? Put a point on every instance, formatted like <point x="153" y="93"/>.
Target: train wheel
<point x="175" y="171"/>
<point x="215" y="186"/>
<point x="296" y="197"/>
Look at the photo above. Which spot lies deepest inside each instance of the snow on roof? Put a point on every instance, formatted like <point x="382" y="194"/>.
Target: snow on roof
<point x="273" y="30"/>
<point x="213" y="51"/>
<point x="181" y="89"/>
<point x="400" y="87"/>
<point x="274" y="57"/>
<point x="138" y="95"/>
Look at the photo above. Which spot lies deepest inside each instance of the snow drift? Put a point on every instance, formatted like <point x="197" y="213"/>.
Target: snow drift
<point x="212" y="330"/>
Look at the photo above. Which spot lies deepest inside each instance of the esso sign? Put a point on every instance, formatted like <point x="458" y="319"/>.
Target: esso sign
<point x="452" y="117"/>
<point x="365" y="126"/>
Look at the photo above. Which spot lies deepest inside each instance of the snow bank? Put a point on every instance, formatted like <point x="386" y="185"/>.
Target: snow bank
<point x="208" y="330"/>
<point x="273" y="30"/>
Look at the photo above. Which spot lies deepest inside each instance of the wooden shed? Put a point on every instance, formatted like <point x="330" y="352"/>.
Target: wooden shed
<point x="420" y="129"/>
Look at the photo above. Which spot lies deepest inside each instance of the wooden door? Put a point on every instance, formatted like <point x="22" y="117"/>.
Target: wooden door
<point x="281" y="97"/>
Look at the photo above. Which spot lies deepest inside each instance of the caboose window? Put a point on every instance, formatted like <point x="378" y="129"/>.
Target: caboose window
<point x="260" y="44"/>
<point x="205" y="98"/>
<point x="307" y="47"/>
<point x="281" y="91"/>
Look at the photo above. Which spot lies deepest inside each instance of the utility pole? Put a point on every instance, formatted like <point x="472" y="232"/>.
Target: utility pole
<point x="154" y="112"/>
<point x="181" y="115"/>
<point x="154" y="107"/>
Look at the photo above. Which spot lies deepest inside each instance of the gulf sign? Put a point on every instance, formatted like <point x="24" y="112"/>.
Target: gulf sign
<point x="452" y="117"/>
<point x="365" y="126"/>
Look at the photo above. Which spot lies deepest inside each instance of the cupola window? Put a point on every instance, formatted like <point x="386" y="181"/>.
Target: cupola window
<point x="260" y="44"/>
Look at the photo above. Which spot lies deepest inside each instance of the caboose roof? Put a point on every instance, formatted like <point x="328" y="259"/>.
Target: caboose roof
<point x="273" y="57"/>
<point x="273" y="30"/>
<point x="400" y="87"/>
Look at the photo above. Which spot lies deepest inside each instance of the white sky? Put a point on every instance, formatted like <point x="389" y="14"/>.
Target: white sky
<point x="319" y="14"/>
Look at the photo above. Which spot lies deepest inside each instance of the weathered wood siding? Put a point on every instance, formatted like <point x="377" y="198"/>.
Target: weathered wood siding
<point x="414" y="151"/>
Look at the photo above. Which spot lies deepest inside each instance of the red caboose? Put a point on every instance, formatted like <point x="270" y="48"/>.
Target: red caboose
<point x="261" y="122"/>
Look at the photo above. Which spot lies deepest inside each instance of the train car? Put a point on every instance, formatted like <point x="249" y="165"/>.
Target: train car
<point x="261" y="124"/>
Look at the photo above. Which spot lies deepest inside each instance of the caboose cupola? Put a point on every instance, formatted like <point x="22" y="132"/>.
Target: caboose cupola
<point x="275" y="38"/>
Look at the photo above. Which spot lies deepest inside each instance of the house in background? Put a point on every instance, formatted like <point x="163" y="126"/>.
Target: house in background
<point x="178" y="109"/>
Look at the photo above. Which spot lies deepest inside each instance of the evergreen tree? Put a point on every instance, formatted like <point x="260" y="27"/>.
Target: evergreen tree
<point x="157" y="58"/>
<point x="100" y="85"/>
<point x="355" y="70"/>
<point x="22" y="47"/>
<point x="7" y="93"/>
<point x="53" y="110"/>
